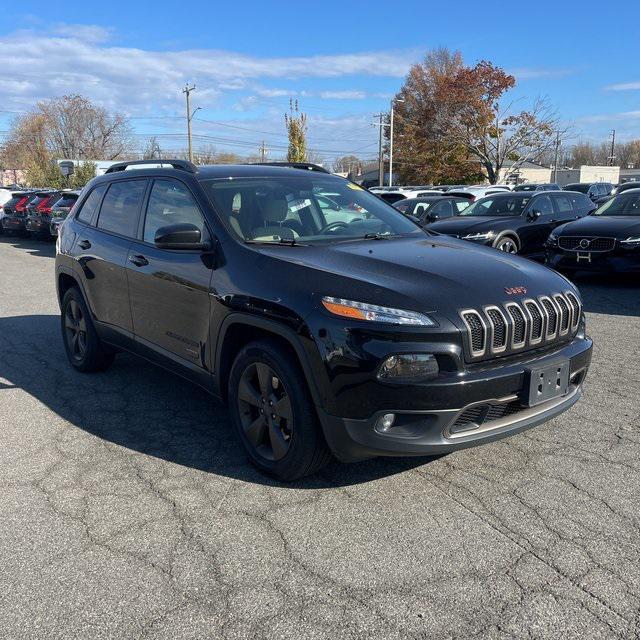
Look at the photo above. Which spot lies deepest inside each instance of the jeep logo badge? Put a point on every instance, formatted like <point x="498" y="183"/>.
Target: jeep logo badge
<point x="512" y="291"/>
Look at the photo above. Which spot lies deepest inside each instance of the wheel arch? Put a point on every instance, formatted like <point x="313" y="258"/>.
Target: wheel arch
<point x="508" y="233"/>
<point x="239" y="329"/>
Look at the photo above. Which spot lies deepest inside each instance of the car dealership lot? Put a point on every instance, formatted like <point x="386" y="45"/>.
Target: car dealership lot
<point x="128" y="509"/>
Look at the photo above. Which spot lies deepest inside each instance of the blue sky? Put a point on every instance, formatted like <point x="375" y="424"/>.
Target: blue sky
<point x="341" y="60"/>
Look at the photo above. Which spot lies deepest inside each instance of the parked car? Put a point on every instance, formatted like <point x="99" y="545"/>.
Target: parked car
<point x="449" y="187"/>
<point x="625" y="186"/>
<point x="607" y="240"/>
<point x="15" y="212"/>
<point x="432" y="208"/>
<point x="538" y="186"/>
<point x="403" y="194"/>
<point x="517" y="222"/>
<point x="61" y="209"/>
<point x="475" y="193"/>
<point x="359" y="339"/>
<point x="594" y="190"/>
<point x="39" y="213"/>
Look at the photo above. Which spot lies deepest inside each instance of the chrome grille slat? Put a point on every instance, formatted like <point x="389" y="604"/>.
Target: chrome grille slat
<point x="517" y="326"/>
<point x="594" y="243"/>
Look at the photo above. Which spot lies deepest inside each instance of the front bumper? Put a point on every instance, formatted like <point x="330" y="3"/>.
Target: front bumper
<point x="434" y="429"/>
<point x="619" y="260"/>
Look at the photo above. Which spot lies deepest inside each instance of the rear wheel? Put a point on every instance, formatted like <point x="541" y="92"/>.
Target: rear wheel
<point x="85" y="350"/>
<point x="506" y="244"/>
<point x="273" y="412"/>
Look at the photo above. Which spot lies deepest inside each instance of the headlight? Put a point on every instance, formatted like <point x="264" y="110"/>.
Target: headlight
<point x="479" y="236"/>
<point x="631" y="242"/>
<point x="374" y="312"/>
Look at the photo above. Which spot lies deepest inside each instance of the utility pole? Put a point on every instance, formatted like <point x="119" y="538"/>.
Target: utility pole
<point x="187" y="91"/>
<point x="612" y="157"/>
<point x="380" y="158"/>
<point x="391" y="118"/>
<point x="555" y="162"/>
<point x="263" y="152"/>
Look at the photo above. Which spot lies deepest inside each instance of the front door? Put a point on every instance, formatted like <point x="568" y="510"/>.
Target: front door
<point x="537" y="230"/>
<point x="169" y="289"/>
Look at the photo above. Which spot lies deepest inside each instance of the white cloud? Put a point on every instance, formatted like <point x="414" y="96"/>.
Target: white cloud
<point x="85" y="32"/>
<point x="622" y="116"/>
<point x="343" y="95"/>
<point x="75" y="58"/>
<point x="624" y="86"/>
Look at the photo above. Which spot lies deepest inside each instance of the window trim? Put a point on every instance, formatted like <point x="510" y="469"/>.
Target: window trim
<point x="145" y="208"/>
<point x="93" y="220"/>
<point x="136" y="227"/>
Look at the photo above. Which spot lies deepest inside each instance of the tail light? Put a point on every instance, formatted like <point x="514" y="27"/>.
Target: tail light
<point x="43" y="208"/>
<point x="20" y="205"/>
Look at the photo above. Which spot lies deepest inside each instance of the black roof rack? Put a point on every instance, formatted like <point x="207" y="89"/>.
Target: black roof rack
<point x="307" y="166"/>
<point x="185" y="165"/>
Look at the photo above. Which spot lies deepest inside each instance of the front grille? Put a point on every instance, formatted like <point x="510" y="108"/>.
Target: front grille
<point x="517" y="326"/>
<point x="474" y="417"/>
<point x="581" y="243"/>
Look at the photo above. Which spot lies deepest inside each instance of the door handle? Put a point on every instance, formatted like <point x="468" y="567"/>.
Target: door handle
<point x="84" y="244"/>
<point x="139" y="261"/>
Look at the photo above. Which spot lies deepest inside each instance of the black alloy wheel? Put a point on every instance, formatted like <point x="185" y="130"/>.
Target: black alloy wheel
<point x="76" y="331"/>
<point x="265" y="411"/>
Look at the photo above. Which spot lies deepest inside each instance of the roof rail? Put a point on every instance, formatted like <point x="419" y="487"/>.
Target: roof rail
<point x="307" y="166"/>
<point x="185" y="165"/>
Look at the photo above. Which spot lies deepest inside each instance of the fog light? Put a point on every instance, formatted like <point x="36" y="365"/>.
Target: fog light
<point x="408" y="367"/>
<point x="385" y="422"/>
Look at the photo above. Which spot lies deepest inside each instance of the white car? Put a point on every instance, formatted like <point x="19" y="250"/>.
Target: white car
<point x="475" y="192"/>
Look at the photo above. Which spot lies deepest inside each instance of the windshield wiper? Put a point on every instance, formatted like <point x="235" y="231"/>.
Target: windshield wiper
<point x="379" y="236"/>
<point x="289" y="242"/>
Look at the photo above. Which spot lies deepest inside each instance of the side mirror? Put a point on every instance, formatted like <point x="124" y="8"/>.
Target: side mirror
<point x="533" y="215"/>
<point x="180" y="236"/>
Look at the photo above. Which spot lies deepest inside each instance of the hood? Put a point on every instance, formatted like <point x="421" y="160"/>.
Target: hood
<point x="424" y="274"/>
<point x="463" y="225"/>
<point x="620" y="227"/>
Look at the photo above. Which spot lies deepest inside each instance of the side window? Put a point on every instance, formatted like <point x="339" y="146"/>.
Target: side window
<point x="420" y="209"/>
<point x="120" y="207"/>
<point x="563" y="204"/>
<point x="543" y="205"/>
<point x="443" y="209"/>
<point x="171" y="202"/>
<point x="91" y="204"/>
<point x="461" y="205"/>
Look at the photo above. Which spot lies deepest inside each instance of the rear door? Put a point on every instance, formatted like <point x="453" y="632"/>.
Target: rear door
<point x="564" y="208"/>
<point x="102" y="245"/>
<point x="169" y="289"/>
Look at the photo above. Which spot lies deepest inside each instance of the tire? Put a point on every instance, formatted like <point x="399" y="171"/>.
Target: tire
<point x="287" y="443"/>
<point x="507" y="244"/>
<point x="86" y="352"/>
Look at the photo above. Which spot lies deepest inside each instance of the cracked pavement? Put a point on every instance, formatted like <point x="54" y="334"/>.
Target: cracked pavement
<point x="127" y="509"/>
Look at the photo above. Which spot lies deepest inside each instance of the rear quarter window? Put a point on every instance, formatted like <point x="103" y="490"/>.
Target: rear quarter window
<point x="90" y="205"/>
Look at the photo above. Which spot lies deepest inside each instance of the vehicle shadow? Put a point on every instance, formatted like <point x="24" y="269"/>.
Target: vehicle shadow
<point x="143" y="408"/>
<point x="611" y="294"/>
<point x="40" y="248"/>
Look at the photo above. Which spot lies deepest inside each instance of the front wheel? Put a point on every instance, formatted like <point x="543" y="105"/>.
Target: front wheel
<point x="506" y="244"/>
<point x="273" y="412"/>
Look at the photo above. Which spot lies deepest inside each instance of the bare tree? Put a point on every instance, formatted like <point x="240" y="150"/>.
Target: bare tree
<point x="152" y="151"/>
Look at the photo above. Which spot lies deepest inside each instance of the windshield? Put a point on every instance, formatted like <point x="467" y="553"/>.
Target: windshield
<point x="306" y="209"/>
<point x="503" y="205"/>
<point x="626" y="204"/>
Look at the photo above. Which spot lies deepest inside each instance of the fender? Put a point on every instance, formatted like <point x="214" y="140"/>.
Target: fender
<point x="293" y="338"/>
<point x="508" y="232"/>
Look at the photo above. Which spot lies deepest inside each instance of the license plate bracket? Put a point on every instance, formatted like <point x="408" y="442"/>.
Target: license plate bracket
<point x="548" y="382"/>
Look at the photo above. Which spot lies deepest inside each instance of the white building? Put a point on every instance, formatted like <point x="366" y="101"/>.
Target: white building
<point x="587" y="173"/>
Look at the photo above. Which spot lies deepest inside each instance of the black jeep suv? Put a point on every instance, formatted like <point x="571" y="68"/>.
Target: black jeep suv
<point x="349" y="331"/>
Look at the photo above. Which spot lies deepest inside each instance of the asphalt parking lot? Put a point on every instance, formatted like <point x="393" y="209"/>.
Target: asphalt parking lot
<point x="127" y="509"/>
